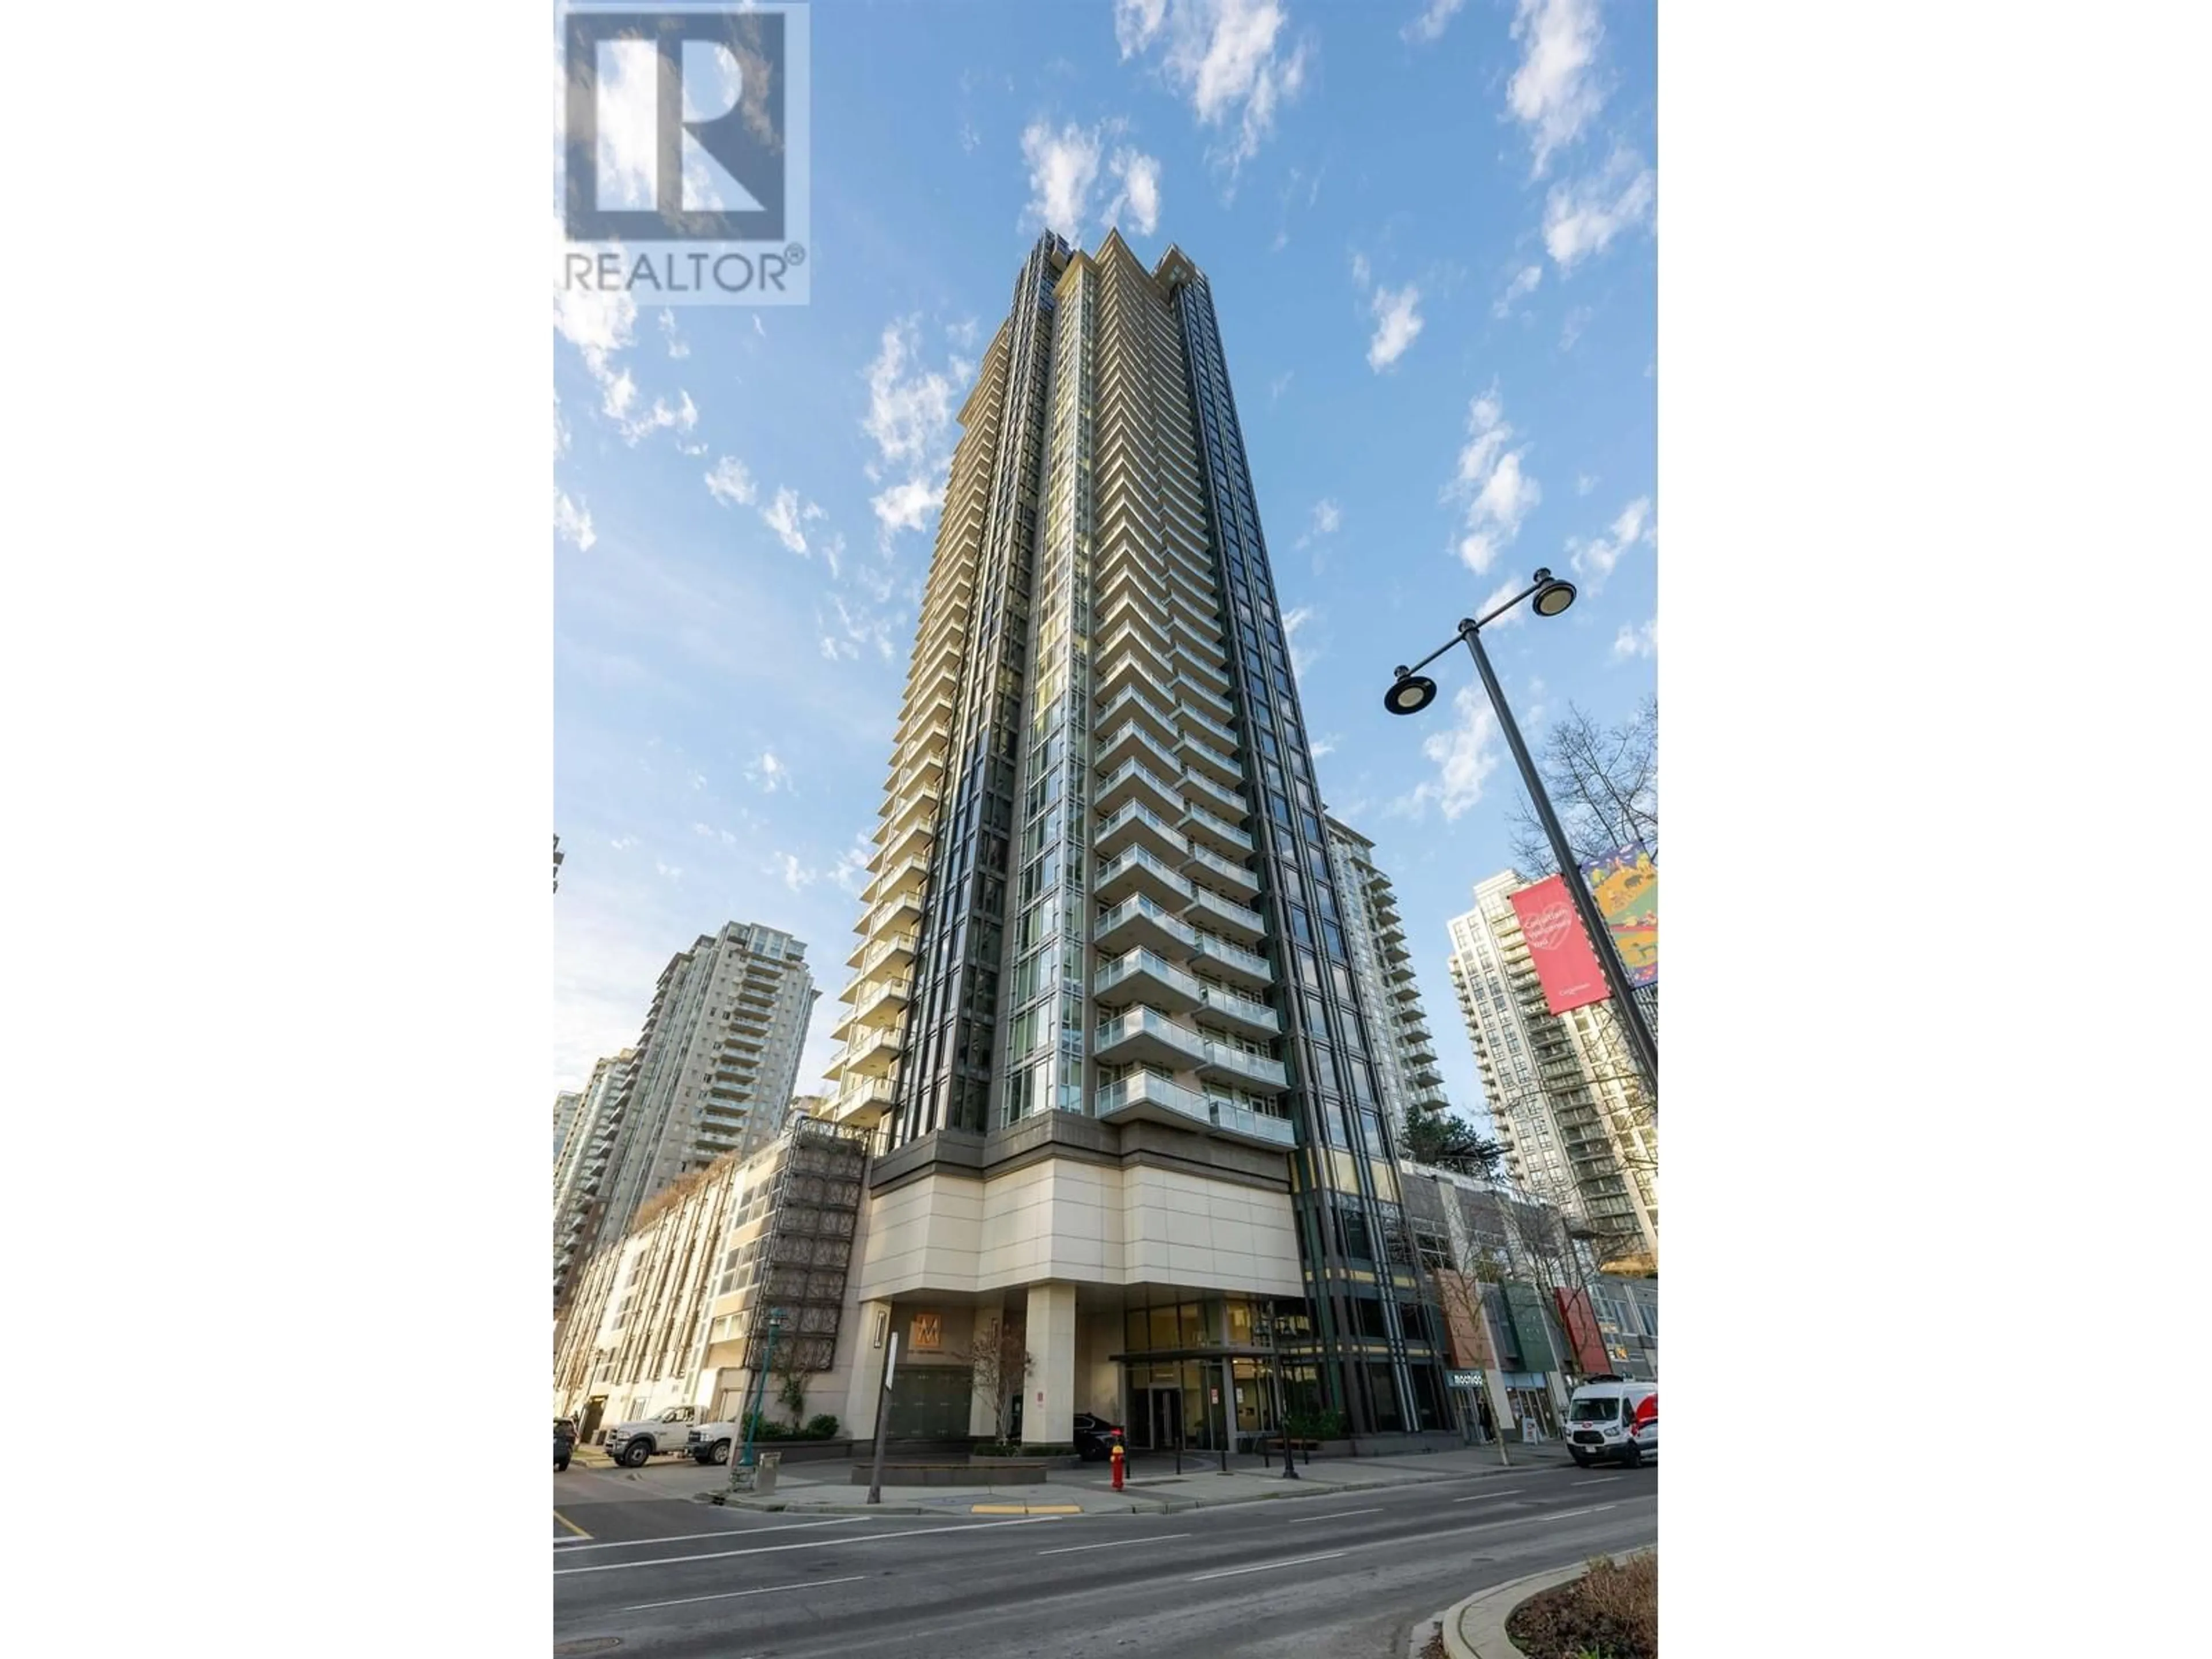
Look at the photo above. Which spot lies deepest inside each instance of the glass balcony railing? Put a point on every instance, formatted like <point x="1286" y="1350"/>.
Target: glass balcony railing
<point x="1223" y="1117"/>
<point x="1136" y="812"/>
<point x="1138" y="909"/>
<point x="1151" y="964"/>
<point x="1230" y="955"/>
<point x="1221" y="827"/>
<point x="1134" y="859"/>
<point x="1230" y="1006"/>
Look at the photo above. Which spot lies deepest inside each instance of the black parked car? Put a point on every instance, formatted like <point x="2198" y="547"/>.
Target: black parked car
<point x="1094" y="1437"/>
<point x="564" y="1441"/>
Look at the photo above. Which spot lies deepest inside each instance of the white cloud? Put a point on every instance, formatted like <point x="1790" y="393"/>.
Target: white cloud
<point x="677" y="345"/>
<point x="1498" y="492"/>
<point x="1279" y="385"/>
<point x="769" y="773"/>
<point x="1324" y="746"/>
<point x="623" y="843"/>
<point x="1397" y="323"/>
<point x="1293" y="620"/>
<point x="572" y="522"/>
<point x="1554" y="93"/>
<point x="1633" y="641"/>
<point x="851" y="873"/>
<point x="1327" y="517"/>
<point x="796" y="876"/>
<point x="1063" y="166"/>
<point x="1572" y="327"/>
<point x="911" y="418"/>
<point x="1429" y="24"/>
<point x="1362" y="272"/>
<point x="672" y="871"/>
<point x="970" y="140"/>
<point x="964" y="333"/>
<point x="1523" y="284"/>
<point x="730" y="483"/>
<point x="1584" y="482"/>
<point x="1140" y="190"/>
<point x="1582" y="217"/>
<point x="784" y="517"/>
<point x="859" y="628"/>
<point x="1594" y="560"/>
<point x="1228" y="56"/>
<point x="1464" y="755"/>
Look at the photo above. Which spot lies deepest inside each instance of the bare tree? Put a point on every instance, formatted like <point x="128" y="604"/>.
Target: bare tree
<point x="999" y="1361"/>
<point x="791" y="1378"/>
<point x="1604" y="784"/>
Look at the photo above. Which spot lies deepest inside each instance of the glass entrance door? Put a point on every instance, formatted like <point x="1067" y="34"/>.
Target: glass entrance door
<point x="1163" y="1418"/>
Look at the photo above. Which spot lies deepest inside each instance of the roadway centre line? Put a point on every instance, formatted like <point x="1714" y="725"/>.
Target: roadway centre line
<point x="1264" y="1566"/>
<point x="1333" y="1515"/>
<point x="1118" y="1543"/>
<point x="1597" y="1480"/>
<point x="1507" y="1492"/>
<point x="811" y="1544"/>
<point x="725" y="1595"/>
<point x="719" y="1532"/>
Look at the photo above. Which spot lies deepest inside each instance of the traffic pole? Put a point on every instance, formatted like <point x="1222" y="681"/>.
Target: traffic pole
<point x="883" y="1421"/>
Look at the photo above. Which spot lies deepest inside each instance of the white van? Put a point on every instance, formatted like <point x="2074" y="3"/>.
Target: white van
<point x="1610" y="1417"/>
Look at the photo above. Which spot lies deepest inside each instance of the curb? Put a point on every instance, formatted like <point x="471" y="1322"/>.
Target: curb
<point x="1476" y="1628"/>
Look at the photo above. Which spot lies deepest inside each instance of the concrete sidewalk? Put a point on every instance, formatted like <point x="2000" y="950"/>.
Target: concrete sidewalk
<point x="1153" y="1485"/>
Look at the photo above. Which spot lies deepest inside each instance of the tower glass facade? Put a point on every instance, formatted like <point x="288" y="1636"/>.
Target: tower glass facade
<point x="1127" y="976"/>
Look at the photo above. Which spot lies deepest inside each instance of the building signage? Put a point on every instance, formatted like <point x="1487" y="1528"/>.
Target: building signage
<point x="927" y="1334"/>
<point x="1464" y="1379"/>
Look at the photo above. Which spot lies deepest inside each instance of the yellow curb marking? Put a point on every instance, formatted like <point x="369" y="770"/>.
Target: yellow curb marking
<point x="571" y="1525"/>
<point x="1025" y="1508"/>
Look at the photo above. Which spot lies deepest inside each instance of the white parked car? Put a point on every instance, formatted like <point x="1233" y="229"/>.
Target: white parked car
<point x="710" y="1442"/>
<point x="630" y="1444"/>
<point x="1610" y="1419"/>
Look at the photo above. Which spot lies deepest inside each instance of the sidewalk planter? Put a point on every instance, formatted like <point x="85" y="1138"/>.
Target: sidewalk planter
<point x="976" y="1459"/>
<point x="999" y="1472"/>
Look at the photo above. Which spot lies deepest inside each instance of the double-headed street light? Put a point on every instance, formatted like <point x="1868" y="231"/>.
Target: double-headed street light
<point x="1411" y="691"/>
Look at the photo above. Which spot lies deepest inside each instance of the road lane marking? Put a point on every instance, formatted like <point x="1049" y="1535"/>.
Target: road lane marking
<point x="719" y="1532"/>
<point x="725" y="1595"/>
<point x="571" y="1525"/>
<point x="1507" y="1492"/>
<point x="1597" y="1480"/>
<point x="811" y="1544"/>
<point x="1119" y="1543"/>
<point x="1265" y="1567"/>
<point x="1333" y="1515"/>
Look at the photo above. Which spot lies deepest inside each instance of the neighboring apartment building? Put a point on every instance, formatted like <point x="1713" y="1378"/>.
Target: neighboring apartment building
<point x="564" y="1118"/>
<point x="579" y="1169"/>
<point x="1105" y="1025"/>
<point x="672" y="1313"/>
<point x="1569" y="1107"/>
<point x="716" y="1063"/>
<point x="1383" y="960"/>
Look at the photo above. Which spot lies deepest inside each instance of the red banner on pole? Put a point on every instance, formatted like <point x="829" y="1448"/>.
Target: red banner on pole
<point x="1566" y="966"/>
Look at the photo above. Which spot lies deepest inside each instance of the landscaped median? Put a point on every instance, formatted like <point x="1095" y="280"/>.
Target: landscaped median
<point x="1607" y="1608"/>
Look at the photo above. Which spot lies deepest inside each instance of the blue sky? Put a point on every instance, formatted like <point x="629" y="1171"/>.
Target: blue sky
<point x="1429" y="228"/>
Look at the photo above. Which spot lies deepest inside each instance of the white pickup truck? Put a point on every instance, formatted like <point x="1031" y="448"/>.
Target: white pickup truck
<point x="630" y="1444"/>
<point x="710" y="1442"/>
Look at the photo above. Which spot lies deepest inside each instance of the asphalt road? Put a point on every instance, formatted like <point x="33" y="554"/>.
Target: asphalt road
<point x="1345" y="1575"/>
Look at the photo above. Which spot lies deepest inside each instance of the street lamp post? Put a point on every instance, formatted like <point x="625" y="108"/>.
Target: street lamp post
<point x="1411" y="692"/>
<point x="759" y="1393"/>
<point x="1276" y="1328"/>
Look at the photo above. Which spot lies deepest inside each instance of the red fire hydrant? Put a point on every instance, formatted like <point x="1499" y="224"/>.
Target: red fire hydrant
<point x="1118" y="1455"/>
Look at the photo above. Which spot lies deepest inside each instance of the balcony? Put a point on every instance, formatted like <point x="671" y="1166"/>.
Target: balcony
<point x="1219" y="869"/>
<point x="1246" y="1013"/>
<point x="1222" y="797"/>
<point x="1146" y="1036"/>
<point x="1130" y="670"/>
<point x="1129" y="741"/>
<point x="1130" y="605"/>
<point x="1200" y="755"/>
<point x="910" y="840"/>
<point x="1137" y="825"/>
<point x="1192" y="717"/>
<point x="927" y="767"/>
<point x="869" y="956"/>
<point x="871" y="1054"/>
<point x="897" y="879"/>
<point x="863" y="1101"/>
<point x="1226" y="1059"/>
<point x="1209" y="909"/>
<point x="1400" y="971"/>
<point x="883" y="1002"/>
<point x="934" y="711"/>
<point x="1133" y="780"/>
<point x="1206" y="666"/>
<point x="1230" y="960"/>
<point x="1204" y="828"/>
<point x="1145" y="977"/>
<point x="1138" y="871"/>
<point x="1129" y="640"/>
<point x="1137" y="920"/>
<point x="1133" y="704"/>
<point x="1151" y="1098"/>
<point x="1194" y="694"/>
